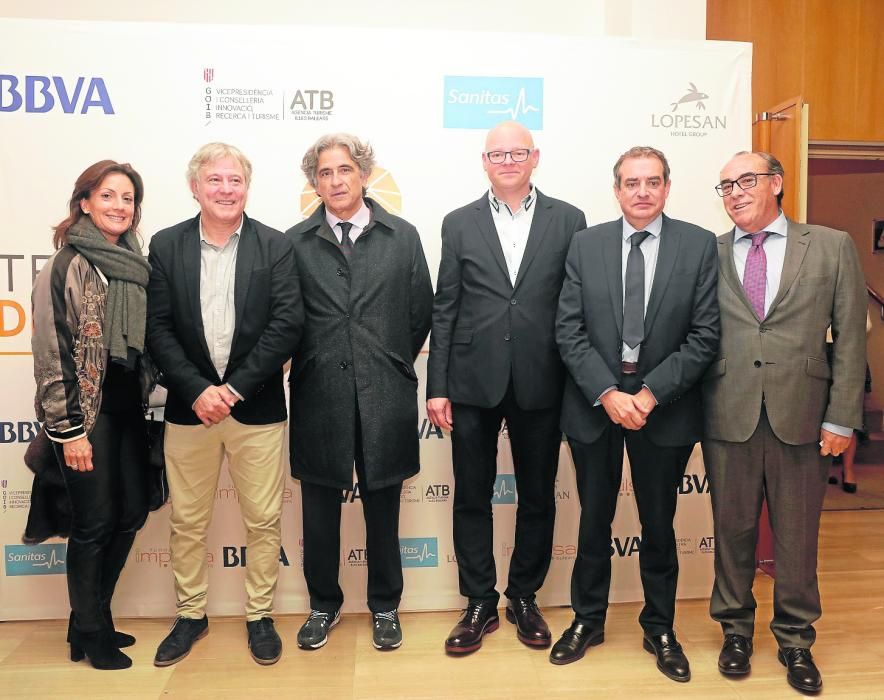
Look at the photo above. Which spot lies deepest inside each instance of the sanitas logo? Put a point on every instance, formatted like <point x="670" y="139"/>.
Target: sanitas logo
<point x="480" y="102"/>
<point x="504" y="489"/>
<point x="39" y="94"/>
<point x="687" y="115"/>
<point x="418" y="551"/>
<point x="35" y="560"/>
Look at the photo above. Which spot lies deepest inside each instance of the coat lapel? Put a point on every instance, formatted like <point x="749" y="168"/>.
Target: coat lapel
<point x="190" y="259"/>
<point x="539" y="226"/>
<point x="612" y="260"/>
<point x="667" y="254"/>
<point x="485" y="224"/>
<point x="245" y="263"/>
<point x="728" y="269"/>
<point x="797" y="242"/>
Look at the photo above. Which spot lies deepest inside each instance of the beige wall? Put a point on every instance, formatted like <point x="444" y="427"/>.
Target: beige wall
<point x="849" y="195"/>
<point x="673" y="19"/>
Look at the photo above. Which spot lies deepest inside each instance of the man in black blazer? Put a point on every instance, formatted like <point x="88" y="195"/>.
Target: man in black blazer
<point x="637" y="326"/>
<point x="224" y="313"/>
<point x="493" y="357"/>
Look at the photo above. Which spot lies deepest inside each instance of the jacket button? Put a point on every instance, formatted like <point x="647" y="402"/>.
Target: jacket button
<point x="339" y="272"/>
<point x="513" y="302"/>
<point x="506" y="337"/>
<point x="757" y="363"/>
<point x="344" y="365"/>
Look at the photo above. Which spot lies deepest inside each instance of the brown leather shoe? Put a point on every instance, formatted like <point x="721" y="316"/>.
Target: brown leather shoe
<point x="476" y="621"/>
<point x="531" y="628"/>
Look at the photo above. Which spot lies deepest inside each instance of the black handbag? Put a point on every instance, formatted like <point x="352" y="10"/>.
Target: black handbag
<point x="158" y="484"/>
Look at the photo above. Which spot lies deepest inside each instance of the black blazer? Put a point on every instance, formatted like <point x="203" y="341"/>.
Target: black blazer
<point x="269" y="321"/>
<point x="485" y="330"/>
<point x="681" y="329"/>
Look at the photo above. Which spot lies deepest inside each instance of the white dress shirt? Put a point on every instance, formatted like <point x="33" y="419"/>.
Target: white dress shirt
<point x="513" y="228"/>
<point x="360" y="220"/>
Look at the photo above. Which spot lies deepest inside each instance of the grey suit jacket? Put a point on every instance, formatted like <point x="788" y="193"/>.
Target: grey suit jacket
<point x="782" y="358"/>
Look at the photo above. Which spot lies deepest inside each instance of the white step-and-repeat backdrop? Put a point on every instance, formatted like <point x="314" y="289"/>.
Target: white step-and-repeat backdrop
<point x="73" y="93"/>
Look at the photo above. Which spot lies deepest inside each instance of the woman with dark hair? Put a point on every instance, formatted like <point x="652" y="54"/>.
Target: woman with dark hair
<point x="89" y="309"/>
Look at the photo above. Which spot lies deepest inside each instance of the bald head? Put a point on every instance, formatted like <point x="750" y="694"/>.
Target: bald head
<point x="509" y="159"/>
<point x="508" y="130"/>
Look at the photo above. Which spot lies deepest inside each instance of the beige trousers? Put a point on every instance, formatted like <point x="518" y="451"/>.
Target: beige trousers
<point x="194" y="455"/>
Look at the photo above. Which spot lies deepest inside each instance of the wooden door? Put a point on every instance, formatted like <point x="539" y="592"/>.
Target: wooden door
<point x="782" y="132"/>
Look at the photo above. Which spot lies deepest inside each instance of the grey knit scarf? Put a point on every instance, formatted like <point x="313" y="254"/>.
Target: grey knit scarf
<point x="127" y="272"/>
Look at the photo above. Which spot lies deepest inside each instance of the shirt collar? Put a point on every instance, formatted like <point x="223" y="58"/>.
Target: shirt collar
<point x="361" y="218"/>
<point x="234" y="234"/>
<point x="654" y="228"/>
<point x="778" y="226"/>
<point x="526" y="203"/>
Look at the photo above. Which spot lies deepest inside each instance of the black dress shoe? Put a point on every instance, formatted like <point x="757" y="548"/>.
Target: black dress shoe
<point x="477" y="620"/>
<point x="180" y="640"/>
<point x="264" y="643"/>
<point x="574" y="643"/>
<point x="670" y="658"/>
<point x="734" y="657"/>
<point x="802" y="671"/>
<point x="531" y="628"/>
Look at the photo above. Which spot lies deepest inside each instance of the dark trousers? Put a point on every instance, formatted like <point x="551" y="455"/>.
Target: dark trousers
<point x="321" y="508"/>
<point x="535" y="438"/>
<point x="792" y="479"/>
<point x="108" y="507"/>
<point x="656" y="473"/>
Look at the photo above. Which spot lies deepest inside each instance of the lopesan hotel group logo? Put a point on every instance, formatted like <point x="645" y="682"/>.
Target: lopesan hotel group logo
<point x="480" y="102"/>
<point x="687" y="115"/>
<point x="35" y="560"/>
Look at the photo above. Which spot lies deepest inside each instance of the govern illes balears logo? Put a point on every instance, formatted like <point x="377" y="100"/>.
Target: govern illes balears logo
<point x="480" y="102"/>
<point x="35" y="560"/>
<point x="687" y="115"/>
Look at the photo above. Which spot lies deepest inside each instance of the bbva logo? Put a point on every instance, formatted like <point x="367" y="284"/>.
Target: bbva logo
<point x="43" y="93"/>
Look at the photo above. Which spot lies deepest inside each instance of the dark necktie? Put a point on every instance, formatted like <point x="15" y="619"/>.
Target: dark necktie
<point x="634" y="292"/>
<point x="755" y="274"/>
<point x="346" y="243"/>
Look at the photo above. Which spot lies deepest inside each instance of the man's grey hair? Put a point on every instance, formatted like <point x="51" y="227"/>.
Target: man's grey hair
<point x="773" y="166"/>
<point x="641" y="152"/>
<point x="216" y="151"/>
<point x="361" y="153"/>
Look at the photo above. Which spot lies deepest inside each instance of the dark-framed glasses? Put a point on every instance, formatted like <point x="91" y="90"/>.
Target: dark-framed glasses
<point x="745" y="182"/>
<point x="520" y="155"/>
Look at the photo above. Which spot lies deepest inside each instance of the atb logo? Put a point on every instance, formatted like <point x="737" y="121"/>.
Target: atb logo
<point x="504" y="489"/>
<point x="480" y="102"/>
<point x="706" y="545"/>
<point x="35" y="560"/>
<point x="418" y="551"/>
<point x="437" y="493"/>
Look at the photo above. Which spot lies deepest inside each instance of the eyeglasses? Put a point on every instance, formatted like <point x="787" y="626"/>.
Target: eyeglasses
<point x="745" y="182"/>
<point x="520" y="155"/>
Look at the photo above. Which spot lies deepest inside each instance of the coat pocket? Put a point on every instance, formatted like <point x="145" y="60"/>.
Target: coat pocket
<point x="405" y="367"/>
<point x="818" y="368"/>
<point x="462" y="336"/>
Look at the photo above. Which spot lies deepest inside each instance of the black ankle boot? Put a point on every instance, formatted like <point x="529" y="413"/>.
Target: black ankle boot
<point x="115" y="556"/>
<point x="121" y="639"/>
<point x="99" y="647"/>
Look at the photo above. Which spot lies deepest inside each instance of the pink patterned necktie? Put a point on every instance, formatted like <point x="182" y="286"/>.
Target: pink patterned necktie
<point x="755" y="274"/>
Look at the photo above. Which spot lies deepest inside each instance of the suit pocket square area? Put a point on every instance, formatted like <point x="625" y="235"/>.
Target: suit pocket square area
<point x="814" y="280"/>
